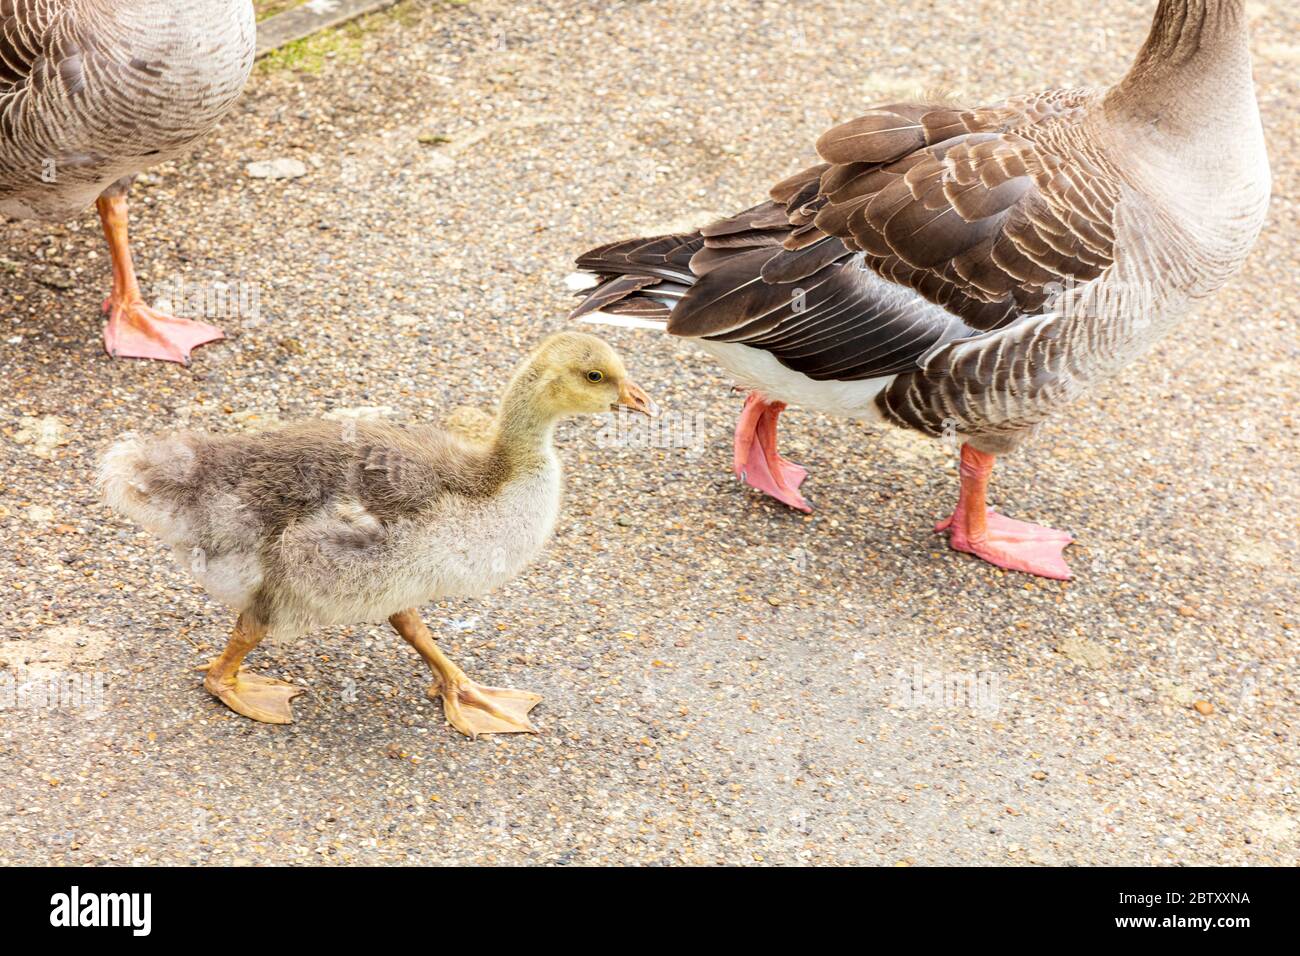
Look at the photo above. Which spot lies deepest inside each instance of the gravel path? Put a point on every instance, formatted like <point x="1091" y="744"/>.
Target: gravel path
<point x="721" y="676"/>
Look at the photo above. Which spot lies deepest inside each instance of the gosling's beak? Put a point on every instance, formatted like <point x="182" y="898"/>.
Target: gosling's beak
<point x="632" y="398"/>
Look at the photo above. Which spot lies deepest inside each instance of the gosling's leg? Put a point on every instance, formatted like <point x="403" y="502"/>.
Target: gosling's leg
<point x="261" y="698"/>
<point x="469" y="707"/>
<point x="134" y="330"/>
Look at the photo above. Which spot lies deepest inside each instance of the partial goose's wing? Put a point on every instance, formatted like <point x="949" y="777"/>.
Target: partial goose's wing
<point x="925" y="224"/>
<point x="997" y="211"/>
<point x="23" y="26"/>
<point x="42" y="47"/>
<point x="46" y="56"/>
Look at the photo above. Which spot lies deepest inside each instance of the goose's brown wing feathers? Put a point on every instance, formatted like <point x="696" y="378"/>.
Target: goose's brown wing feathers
<point x="982" y="212"/>
<point x="1000" y="207"/>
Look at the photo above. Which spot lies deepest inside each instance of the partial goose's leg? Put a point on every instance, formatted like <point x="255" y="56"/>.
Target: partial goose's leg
<point x="261" y="698"/>
<point x="757" y="462"/>
<point x="469" y="707"/>
<point x="134" y="330"/>
<point x="1005" y="542"/>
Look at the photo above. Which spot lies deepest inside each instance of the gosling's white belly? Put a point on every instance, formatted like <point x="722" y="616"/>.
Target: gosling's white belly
<point x="463" y="548"/>
<point x="758" y="369"/>
<point x="480" y="548"/>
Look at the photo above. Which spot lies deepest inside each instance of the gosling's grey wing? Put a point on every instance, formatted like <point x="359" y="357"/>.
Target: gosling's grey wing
<point x="391" y="482"/>
<point x="389" y="476"/>
<point x="401" y="471"/>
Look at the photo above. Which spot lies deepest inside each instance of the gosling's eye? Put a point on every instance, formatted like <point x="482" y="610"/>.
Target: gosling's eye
<point x="595" y="375"/>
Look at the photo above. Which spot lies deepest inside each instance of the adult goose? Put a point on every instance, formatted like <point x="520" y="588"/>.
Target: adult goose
<point x="93" y="92"/>
<point x="969" y="271"/>
<point x="326" y="523"/>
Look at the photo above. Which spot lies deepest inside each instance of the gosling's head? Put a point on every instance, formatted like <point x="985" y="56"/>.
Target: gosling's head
<point x="572" y="373"/>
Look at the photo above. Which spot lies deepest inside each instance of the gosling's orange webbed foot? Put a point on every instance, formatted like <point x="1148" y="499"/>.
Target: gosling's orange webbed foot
<point x="259" y="698"/>
<point x="469" y="707"/>
<point x="135" y="330"/>
<point x="473" y="709"/>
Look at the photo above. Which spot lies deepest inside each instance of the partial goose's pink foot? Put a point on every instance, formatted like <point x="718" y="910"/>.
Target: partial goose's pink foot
<point x="135" y="330"/>
<point x="1005" y="542"/>
<point x="757" y="462"/>
<point x="1008" y="543"/>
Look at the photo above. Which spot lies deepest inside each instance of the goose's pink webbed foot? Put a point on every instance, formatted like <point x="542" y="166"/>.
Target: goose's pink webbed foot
<point x="1005" y="542"/>
<point x="757" y="462"/>
<point x="134" y="330"/>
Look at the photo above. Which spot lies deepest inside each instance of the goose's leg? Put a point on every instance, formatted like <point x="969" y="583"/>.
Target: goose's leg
<point x="470" y="708"/>
<point x="757" y="462"/>
<point x="261" y="698"/>
<point x="1005" y="542"/>
<point x="135" y="330"/>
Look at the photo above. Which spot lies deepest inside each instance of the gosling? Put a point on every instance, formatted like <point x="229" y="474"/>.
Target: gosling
<point x="334" y="523"/>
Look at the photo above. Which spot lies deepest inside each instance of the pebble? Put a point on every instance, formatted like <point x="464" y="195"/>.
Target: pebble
<point x="277" y="169"/>
<point x="43" y="435"/>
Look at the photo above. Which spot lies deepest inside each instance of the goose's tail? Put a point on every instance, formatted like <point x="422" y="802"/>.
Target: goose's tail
<point x="637" y="282"/>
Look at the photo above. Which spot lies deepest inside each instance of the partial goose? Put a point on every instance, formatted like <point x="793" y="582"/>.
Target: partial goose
<point x="970" y="271"/>
<point x="93" y="92"/>
<point x="339" y="523"/>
